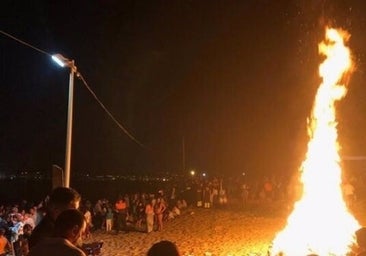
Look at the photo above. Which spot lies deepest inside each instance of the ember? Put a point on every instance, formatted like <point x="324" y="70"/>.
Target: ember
<point x="320" y="223"/>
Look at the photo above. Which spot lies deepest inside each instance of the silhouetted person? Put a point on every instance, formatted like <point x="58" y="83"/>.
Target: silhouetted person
<point x="68" y="229"/>
<point x="163" y="248"/>
<point x="61" y="199"/>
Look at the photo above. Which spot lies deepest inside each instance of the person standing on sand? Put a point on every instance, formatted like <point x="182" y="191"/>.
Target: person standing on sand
<point x="109" y="219"/>
<point x="159" y="210"/>
<point x="140" y="214"/>
<point x="207" y="197"/>
<point x="68" y="229"/>
<point x="121" y="211"/>
<point x="98" y="214"/>
<point x="149" y="211"/>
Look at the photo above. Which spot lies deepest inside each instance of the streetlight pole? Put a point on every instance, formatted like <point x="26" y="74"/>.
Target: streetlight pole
<point x="62" y="61"/>
<point x="69" y="125"/>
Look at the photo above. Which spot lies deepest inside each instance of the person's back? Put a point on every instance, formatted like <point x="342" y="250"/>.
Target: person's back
<point x="61" y="199"/>
<point x="68" y="230"/>
<point x="55" y="247"/>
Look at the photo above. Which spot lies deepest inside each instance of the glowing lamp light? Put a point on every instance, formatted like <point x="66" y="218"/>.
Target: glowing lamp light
<point x="57" y="58"/>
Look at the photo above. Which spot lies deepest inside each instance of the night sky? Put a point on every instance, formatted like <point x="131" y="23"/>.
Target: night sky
<point x="235" y="79"/>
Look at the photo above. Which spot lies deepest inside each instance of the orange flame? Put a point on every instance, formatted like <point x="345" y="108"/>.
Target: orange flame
<point x="320" y="222"/>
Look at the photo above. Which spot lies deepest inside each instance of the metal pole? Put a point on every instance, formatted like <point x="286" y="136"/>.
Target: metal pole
<point x="69" y="126"/>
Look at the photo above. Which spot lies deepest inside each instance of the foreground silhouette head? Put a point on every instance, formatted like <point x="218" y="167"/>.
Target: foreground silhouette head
<point x="163" y="247"/>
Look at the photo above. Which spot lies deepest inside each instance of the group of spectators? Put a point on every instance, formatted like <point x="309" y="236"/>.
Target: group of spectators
<point x="24" y="227"/>
<point x="54" y="227"/>
<point x="58" y="225"/>
<point x="289" y="189"/>
<point x="143" y="212"/>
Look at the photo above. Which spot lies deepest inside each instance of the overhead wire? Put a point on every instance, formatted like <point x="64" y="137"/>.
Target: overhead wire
<point x="108" y="112"/>
<point x="79" y="75"/>
<point x="25" y="43"/>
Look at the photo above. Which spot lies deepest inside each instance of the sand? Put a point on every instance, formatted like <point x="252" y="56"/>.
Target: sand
<point x="211" y="232"/>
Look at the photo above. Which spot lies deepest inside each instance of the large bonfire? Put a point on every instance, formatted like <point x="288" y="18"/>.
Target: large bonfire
<point x="320" y="222"/>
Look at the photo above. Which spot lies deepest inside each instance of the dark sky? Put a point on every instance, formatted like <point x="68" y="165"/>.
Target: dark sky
<point x="236" y="79"/>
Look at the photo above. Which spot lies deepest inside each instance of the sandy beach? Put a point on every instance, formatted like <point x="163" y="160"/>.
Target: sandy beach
<point x="212" y="232"/>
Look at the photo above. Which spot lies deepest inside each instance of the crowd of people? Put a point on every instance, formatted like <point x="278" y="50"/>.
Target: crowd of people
<point x="24" y="225"/>
<point x="143" y="212"/>
<point x="40" y="230"/>
<point x="60" y="222"/>
<point x="63" y="219"/>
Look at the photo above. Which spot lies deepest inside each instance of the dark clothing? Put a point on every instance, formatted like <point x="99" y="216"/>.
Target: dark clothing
<point x="121" y="221"/>
<point x="98" y="220"/>
<point x="121" y="209"/>
<point x="44" y="229"/>
<point x="140" y="212"/>
<point x="56" y="246"/>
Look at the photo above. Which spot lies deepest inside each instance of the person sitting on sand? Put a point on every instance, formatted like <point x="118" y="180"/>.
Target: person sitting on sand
<point x="68" y="230"/>
<point x="164" y="247"/>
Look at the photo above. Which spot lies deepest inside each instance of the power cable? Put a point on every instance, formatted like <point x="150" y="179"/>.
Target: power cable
<point x="25" y="43"/>
<point x="108" y="112"/>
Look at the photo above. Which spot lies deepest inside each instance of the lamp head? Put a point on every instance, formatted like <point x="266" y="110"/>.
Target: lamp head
<point x="64" y="62"/>
<point x="61" y="60"/>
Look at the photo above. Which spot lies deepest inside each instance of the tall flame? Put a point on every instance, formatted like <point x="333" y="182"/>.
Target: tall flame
<point x="320" y="222"/>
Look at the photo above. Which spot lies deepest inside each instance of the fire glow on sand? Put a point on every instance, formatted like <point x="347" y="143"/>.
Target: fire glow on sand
<point x="320" y="222"/>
